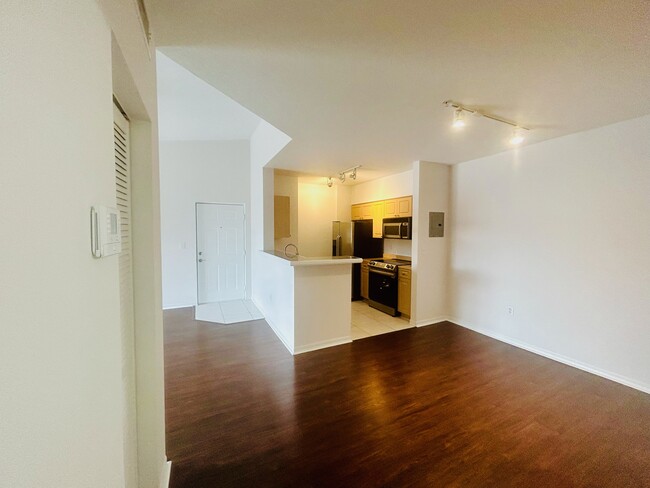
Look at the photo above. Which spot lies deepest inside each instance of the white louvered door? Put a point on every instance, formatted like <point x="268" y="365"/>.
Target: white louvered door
<point x="123" y="194"/>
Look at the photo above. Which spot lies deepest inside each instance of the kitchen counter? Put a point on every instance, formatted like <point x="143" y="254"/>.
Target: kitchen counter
<point x="297" y="260"/>
<point x="305" y="300"/>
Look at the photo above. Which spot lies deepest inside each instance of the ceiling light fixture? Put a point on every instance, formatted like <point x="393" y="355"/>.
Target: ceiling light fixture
<point x="459" y="121"/>
<point x="352" y="171"/>
<point x="517" y="136"/>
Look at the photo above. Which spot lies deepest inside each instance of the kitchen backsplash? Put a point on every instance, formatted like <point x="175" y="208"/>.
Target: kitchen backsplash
<point x="397" y="246"/>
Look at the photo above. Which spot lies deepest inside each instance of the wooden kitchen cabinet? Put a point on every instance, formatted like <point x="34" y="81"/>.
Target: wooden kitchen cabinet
<point x="364" y="279"/>
<point x="377" y="211"/>
<point x="377" y="219"/>
<point x="404" y="291"/>
<point x="366" y="211"/>
<point x="398" y="207"/>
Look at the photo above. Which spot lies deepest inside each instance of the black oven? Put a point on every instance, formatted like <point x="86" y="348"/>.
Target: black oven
<point x="382" y="288"/>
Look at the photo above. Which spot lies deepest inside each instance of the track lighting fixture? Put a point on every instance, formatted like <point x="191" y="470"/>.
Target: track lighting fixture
<point x="517" y="136"/>
<point x="329" y="181"/>
<point x="352" y="171"/>
<point x="459" y="121"/>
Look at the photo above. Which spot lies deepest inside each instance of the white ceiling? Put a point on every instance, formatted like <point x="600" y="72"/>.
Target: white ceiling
<point x="362" y="82"/>
<point x="189" y="109"/>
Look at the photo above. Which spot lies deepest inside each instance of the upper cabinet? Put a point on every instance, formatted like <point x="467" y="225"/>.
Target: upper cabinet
<point x="398" y="207"/>
<point x="377" y="211"/>
<point x="377" y="219"/>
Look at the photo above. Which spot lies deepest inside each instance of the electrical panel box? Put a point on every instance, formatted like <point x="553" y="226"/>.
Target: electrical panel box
<point x="105" y="238"/>
<point x="436" y="224"/>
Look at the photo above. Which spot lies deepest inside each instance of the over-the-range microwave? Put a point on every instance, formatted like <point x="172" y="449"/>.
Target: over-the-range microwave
<point x="398" y="228"/>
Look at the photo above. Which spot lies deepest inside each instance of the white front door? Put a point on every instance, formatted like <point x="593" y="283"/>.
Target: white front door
<point x="221" y="252"/>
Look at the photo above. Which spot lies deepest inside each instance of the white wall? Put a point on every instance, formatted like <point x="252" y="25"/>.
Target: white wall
<point x="398" y="247"/>
<point x="343" y="203"/>
<point x="60" y="347"/>
<point x="429" y="276"/>
<point x="316" y="212"/>
<point x="391" y="186"/>
<point x="276" y="296"/>
<point x="560" y="232"/>
<point x="313" y="208"/>
<point x="266" y="142"/>
<point x="191" y="172"/>
<point x="322" y="307"/>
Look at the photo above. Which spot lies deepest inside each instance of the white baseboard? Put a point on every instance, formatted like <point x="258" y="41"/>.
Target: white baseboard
<point x="165" y="474"/>
<point x="274" y="328"/>
<point x="322" y="344"/>
<point x="558" y="357"/>
<point x="173" y="307"/>
<point x="436" y="320"/>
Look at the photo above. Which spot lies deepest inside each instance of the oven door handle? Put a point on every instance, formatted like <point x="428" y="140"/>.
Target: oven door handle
<point x="384" y="273"/>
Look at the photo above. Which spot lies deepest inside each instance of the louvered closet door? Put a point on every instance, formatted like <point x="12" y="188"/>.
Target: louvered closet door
<point x="123" y="194"/>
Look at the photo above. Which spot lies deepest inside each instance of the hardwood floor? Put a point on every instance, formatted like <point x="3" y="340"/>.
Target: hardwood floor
<point x="430" y="407"/>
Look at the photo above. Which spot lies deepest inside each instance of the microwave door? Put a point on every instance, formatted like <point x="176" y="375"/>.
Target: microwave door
<point x="393" y="230"/>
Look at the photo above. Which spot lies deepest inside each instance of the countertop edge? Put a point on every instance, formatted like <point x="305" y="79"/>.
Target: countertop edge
<point x="316" y="261"/>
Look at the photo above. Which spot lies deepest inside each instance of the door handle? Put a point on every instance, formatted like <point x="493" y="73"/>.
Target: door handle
<point x="201" y="260"/>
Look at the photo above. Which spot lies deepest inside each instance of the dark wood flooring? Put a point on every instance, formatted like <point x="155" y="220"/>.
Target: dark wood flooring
<point x="431" y="407"/>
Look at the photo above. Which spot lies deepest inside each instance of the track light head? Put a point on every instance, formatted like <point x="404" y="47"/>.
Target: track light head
<point x="459" y="121"/>
<point x="517" y="136"/>
<point x="342" y="177"/>
<point x="329" y="181"/>
<point x="353" y="175"/>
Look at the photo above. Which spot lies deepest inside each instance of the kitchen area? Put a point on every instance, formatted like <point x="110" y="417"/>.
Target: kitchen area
<point x="313" y="219"/>
<point x="381" y="284"/>
<point x="390" y="227"/>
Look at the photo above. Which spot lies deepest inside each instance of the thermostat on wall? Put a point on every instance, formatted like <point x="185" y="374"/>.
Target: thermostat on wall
<point x="105" y="239"/>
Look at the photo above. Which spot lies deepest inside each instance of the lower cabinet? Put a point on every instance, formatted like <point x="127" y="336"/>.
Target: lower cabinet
<point x="404" y="291"/>
<point x="364" y="280"/>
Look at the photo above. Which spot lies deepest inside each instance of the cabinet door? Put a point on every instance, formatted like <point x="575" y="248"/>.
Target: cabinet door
<point x="404" y="207"/>
<point x="377" y="219"/>
<point x="366" y="211"/>
<point x="364" y="281"/>
<point x="356" y="212"/>
<point x="391" y="208"/>
<point x="404" y="296"/>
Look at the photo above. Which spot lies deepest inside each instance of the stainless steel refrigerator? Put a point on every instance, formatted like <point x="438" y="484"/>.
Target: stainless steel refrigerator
<point x="341" y="238"/>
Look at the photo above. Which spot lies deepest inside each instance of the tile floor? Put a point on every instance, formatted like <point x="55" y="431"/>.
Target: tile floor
<point x="367" y="322"/>
<point x="229" y="312"/>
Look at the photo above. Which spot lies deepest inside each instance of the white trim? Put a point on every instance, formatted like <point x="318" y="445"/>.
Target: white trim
<point x="436" y="320"/>
<point x="173" y="307"/>
<point x="165" y="474"/>
<point x="323" y="344"/>
<point x="559" y="358"/>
